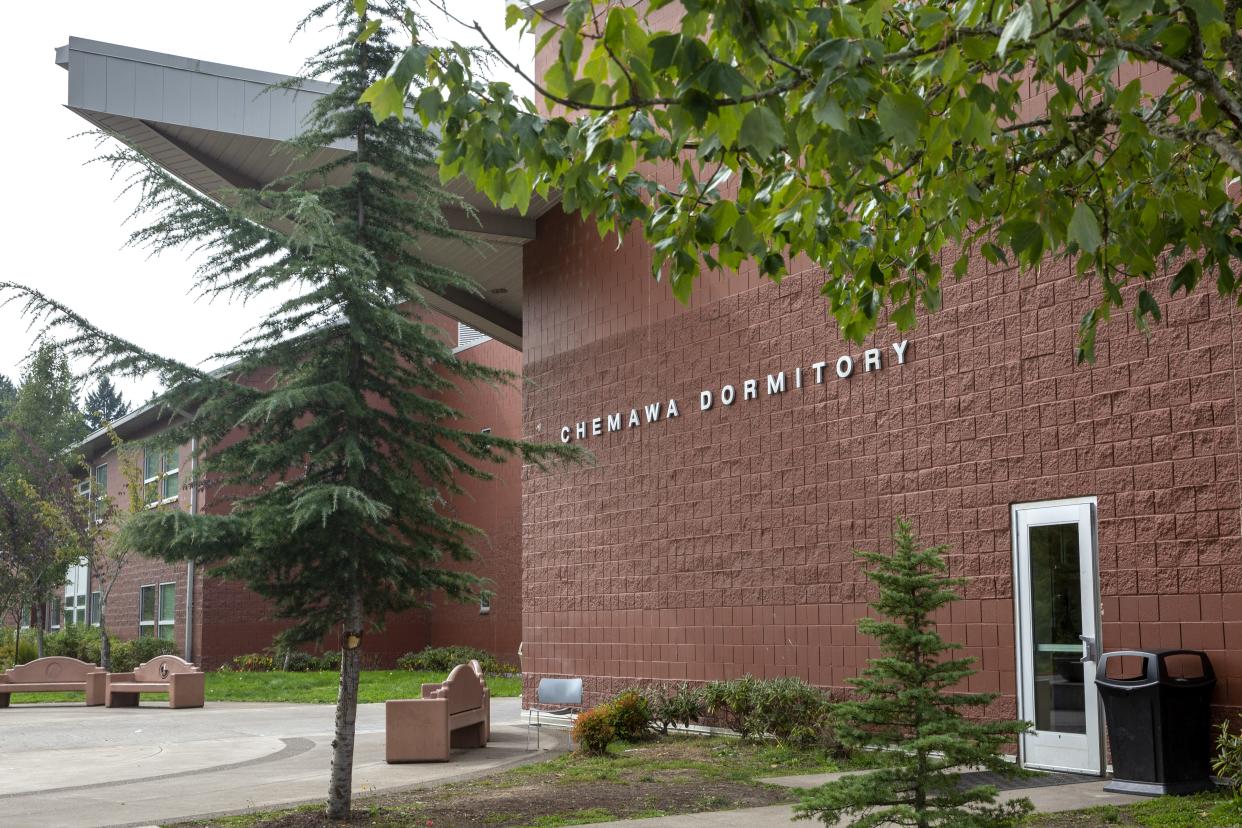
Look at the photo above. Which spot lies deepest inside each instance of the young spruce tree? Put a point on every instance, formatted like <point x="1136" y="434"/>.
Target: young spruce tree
<point x="336" y="401"/>
<point x="907" y="712"/>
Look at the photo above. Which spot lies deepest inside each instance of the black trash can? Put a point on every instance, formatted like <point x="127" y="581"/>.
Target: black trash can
<point x="1159" y="726"/>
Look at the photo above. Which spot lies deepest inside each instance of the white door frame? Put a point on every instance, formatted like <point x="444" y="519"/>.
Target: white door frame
<point x="1078" y="753"/>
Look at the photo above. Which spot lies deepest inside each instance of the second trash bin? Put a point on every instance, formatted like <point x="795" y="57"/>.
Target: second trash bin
<point x="1159" y="726"/>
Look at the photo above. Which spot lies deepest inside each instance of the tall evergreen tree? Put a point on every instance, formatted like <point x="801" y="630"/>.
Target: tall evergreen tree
<point x="346" y="442"/>
<point x="907" y="708"/>
<point x="8" y="395"/>
<point x="104" y="404"/>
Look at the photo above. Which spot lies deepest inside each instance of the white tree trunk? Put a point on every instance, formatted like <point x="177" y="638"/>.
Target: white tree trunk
<point x="340" y="788"/>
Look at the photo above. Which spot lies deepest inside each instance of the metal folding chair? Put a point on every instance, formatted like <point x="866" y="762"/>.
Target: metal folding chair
<point x="566" y="692"/>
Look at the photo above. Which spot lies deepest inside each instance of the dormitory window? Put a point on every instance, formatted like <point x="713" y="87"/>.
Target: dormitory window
<point x="160" y="472"/>
<point x="156" y="607"/>
<point x="485" y="604"/>
<point x="77" y="591"/>
<point x="100" y="491"/>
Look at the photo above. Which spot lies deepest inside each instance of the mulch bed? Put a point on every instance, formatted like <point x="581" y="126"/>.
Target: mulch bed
<point x="670" y="792"/>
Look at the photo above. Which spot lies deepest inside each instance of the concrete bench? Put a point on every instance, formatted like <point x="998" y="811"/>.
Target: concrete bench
<point x="184" y="683"/>
<point x="455" y="713"/>
<point x="54" y="674"/>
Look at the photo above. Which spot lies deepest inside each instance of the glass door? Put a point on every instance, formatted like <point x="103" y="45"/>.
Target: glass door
<point x="1057" y="622"/>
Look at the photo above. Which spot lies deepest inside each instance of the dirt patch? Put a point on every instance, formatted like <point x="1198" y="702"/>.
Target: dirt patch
<point x="663" y="792"/>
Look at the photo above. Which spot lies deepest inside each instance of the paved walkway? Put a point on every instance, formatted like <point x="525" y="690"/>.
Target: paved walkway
<point x="74" y="766"/>
<point x="1047" y="799"/>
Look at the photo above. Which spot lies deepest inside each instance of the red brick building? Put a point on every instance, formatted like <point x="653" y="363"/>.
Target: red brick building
<point x="212" y="620"/>
<point x="710" y="541"/>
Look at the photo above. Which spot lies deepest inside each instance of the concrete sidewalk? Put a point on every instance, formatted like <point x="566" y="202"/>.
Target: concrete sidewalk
<point x="1046" y="799"/>
<point x="79" y="767"/>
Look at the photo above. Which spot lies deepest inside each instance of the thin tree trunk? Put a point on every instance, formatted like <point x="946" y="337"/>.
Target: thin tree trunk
<point x="105" y="643"/>
<point x="340" y="788"/>
<point x="39" y="631"/>
<point x="17" y="640"/>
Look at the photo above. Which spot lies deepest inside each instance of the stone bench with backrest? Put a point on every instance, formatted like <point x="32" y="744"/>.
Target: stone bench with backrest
<point x="456" y="713"/>
<point x="54" y="674"/>
<point x="184" y="683"/>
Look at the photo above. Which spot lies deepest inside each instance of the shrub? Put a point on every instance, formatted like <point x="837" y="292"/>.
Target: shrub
<point x="681" y="706"/>
<point x="127" y="655"/>
<point x="28" y="647"/>
<point x="252" y="663"/>
<point x="1227" y="764"/>
<point x="734" y="703"/>
<point x="75" y="641"/>
<point x="631" y="716"/>
<point x="594" y="731"/>
<point x="443" y="659"/>
<point x="793" y="712"/>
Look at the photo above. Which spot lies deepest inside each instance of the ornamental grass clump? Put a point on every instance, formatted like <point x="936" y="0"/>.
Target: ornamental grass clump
<point x="907" y="715"/>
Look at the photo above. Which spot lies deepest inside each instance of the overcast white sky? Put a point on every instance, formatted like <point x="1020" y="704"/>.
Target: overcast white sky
<point x="61" y="223"/>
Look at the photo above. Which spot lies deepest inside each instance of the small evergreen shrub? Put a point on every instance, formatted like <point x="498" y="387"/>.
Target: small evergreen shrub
<point x="631" y="716"/>
<point x="443" y="659"/>
<point x="594" y="731"/>
<point x="908" y="713"/>
<point x="1227" y="764"/>
<point x="682" y="706"/>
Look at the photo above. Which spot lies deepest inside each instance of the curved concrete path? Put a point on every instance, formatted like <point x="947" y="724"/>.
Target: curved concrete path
<point x="70" y="765"/>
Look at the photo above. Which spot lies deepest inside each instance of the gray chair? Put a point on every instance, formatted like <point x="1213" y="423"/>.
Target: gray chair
<point x="566" y="692"/>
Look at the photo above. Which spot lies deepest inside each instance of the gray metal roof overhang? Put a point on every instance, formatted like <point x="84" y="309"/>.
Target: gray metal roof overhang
<point x="219" y="127"/>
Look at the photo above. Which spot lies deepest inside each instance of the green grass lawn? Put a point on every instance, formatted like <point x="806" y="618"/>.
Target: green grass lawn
<point x="1205" y="810"/>
<point x="315" y="688"/>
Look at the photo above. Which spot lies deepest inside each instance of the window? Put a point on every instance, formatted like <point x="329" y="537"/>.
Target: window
<point x="25" y="619"/>
<point x="94" y="614"/>
<point x="56" y="613"/>
<point x="156" y="611"/>
<point x="100" y="489"/>
<point x="77" y="591"/>
<point x="485" y="604"/>
<point x="161" y="476"/>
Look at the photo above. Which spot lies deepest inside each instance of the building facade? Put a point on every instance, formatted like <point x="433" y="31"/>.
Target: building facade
<point x="212" y="620"/>
<point x="743" y="450"/>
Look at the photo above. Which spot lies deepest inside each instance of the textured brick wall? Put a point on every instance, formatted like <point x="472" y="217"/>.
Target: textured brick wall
<point x="717" y="544"/>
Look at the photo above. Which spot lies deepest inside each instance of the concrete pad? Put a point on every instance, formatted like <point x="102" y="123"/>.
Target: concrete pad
<point x="71" y="765"/>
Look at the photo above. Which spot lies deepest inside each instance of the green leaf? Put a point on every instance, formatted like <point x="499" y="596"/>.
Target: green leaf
<point x="360" y="7"/>
<point x="1017" y="26"/>
<point x="828" y="111"/>
<point x="761" y="132"/>
<point x="387" y="99"/>
<point x="1187" y="277"/>
<point x="900" y="115"/>
<point x="1084" y="229"/>
<point x="368" y="30"/>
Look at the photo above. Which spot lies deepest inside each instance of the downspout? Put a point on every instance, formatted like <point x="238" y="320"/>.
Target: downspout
<point x="189" y="566"/>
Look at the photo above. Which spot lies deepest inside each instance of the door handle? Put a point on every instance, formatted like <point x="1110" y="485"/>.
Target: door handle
<point x="1089" y="655"/>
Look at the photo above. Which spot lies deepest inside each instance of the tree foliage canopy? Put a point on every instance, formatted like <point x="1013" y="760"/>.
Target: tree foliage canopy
<point x="887" y="142"/>
<point x="104" y="404"/>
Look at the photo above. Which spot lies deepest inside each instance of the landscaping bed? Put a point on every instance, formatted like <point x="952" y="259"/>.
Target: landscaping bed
<point x="672" y="775"/>
<point x="317" y="687"/>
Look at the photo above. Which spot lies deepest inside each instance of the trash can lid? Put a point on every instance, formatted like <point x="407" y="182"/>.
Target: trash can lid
<point x="1155" y="668"/>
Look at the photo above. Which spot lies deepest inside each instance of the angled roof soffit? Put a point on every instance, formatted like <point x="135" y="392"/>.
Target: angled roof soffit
<point x="219" y="127"/>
